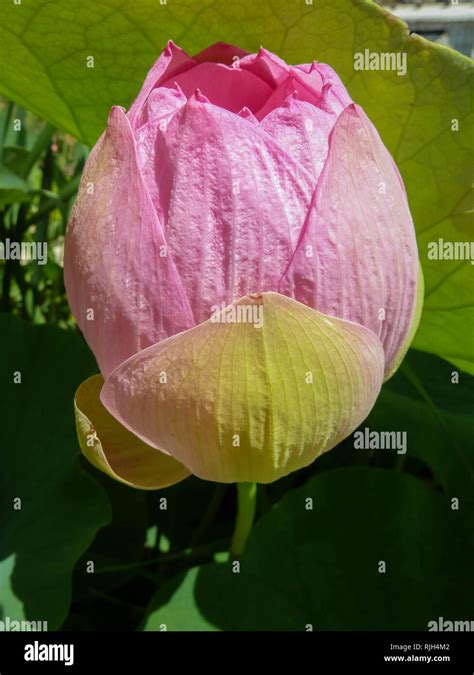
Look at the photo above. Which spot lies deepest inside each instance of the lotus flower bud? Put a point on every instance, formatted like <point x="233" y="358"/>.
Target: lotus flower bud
<point x="238" y="186"/>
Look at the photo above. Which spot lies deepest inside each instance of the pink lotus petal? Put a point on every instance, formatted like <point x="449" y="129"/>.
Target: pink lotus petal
<point x="302" y="130"/>
<point x="293" y="84"/>
<point x="335" y="95"/>
<point x="225" y="86"/>
<point x="315" y="83"/>
<point x="114" y="262"/>
<point x="161" y="104"/>
<point x="220" y="52"/>
<point x="172" y="61"/>
<point x="247" y="114"/>
<point x="309" y="76"/>
<point x="357" y="256"/>
<point x="267" y="66"/>
<point x="233" y="203"/>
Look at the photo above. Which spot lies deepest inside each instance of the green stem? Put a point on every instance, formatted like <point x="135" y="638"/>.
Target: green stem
<point x="247" y="501"/>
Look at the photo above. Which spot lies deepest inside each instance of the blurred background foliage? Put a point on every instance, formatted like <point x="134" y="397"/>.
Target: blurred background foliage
<point x="40" y="170"/>
<point x="155" y="565"/>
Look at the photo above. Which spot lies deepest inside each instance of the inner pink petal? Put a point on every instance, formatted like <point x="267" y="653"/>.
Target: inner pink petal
<point x="229" y="88"/>
<point x="309" y="76"/>
<point x="302" y="130"/>
<point x="220" y="52"/>
<point x="218" y="181"/>
<point x="161" y="104"/>
<point x="291" y="85"/>
<point x="267" y="66"/>
<point x="334" y="92"/>
<point x="172" y="61"/>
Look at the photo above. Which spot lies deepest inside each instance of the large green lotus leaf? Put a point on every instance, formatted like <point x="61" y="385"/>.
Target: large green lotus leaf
<point x="62" y="508"/>
<point x="120" y="543"/>
<point x="10" y="605"/>
<point x="432" y="403"/>
<point x="424" y="117"/>
<point x="322" y="568"/>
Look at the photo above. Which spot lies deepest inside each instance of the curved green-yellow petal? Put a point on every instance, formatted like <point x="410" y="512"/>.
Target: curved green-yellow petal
<point x="415" y="322"/>
<point x="234" y="402"/>
<point x="114" y="450"/>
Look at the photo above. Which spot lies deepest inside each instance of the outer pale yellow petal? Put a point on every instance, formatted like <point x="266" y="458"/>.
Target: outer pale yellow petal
<point x="236" y="403"/>
<point x="116" y="451"/>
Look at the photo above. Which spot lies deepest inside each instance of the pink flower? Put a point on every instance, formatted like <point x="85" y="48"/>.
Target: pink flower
<point x="235" y="174"/>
